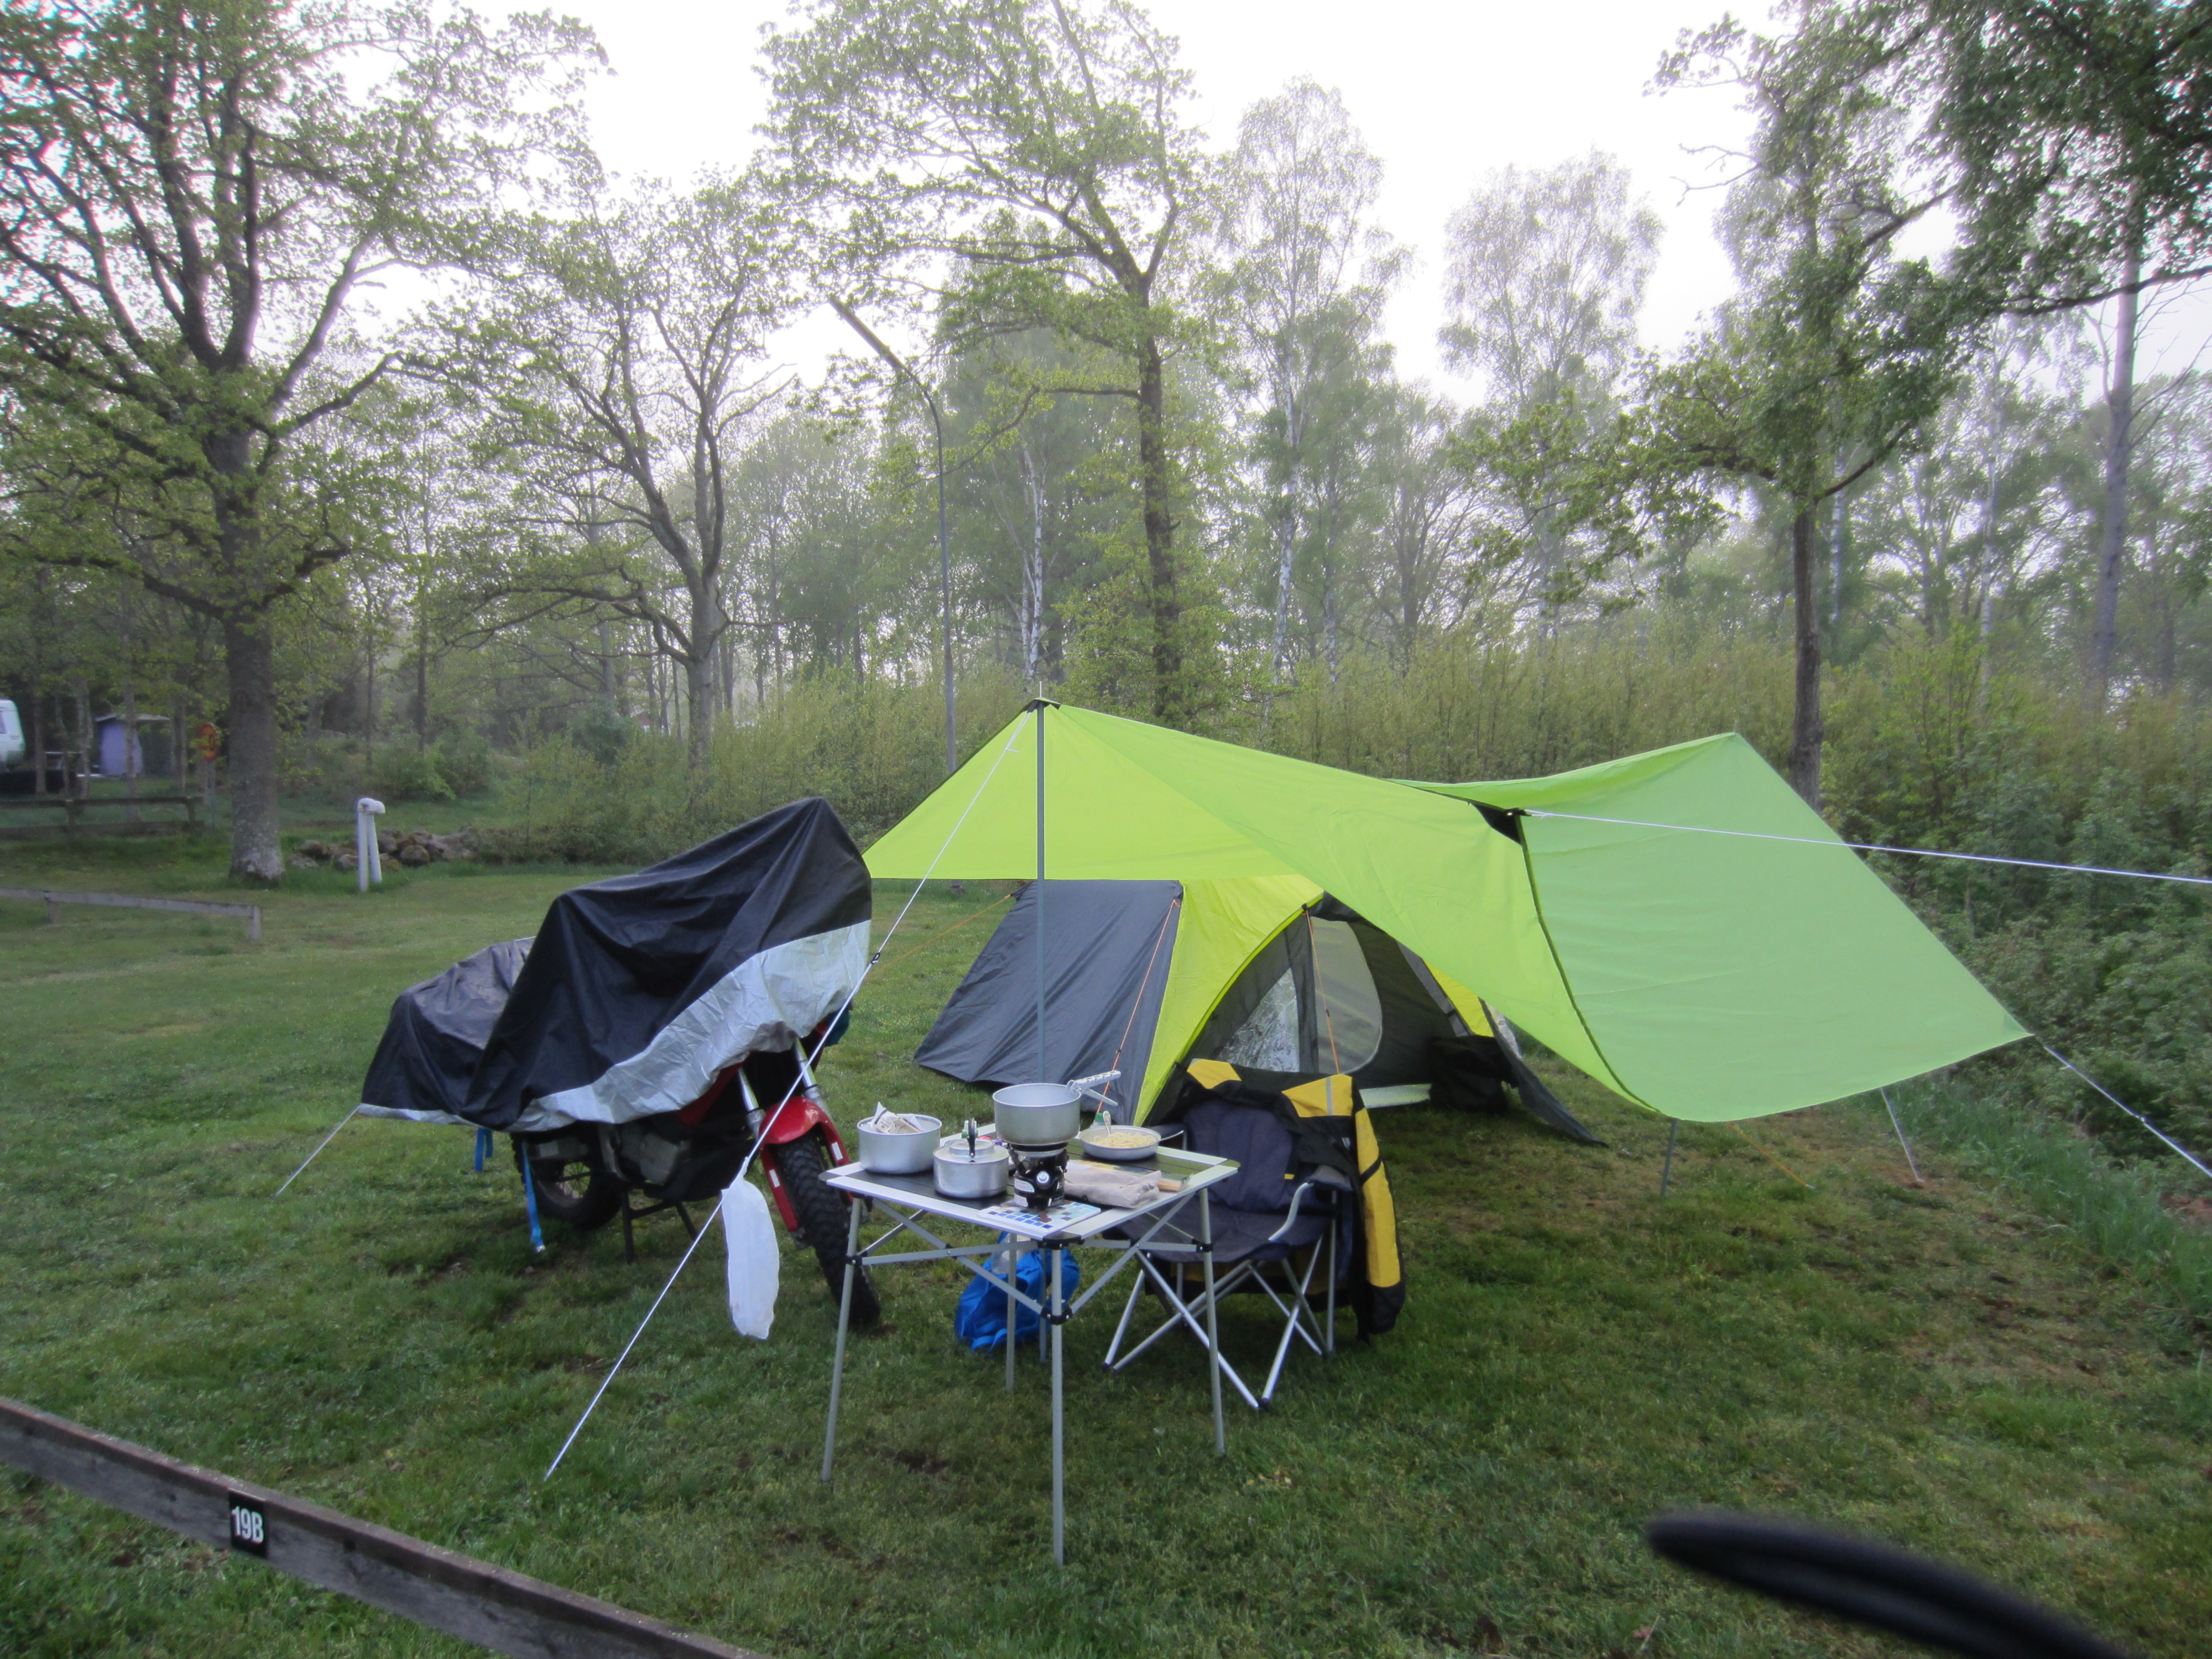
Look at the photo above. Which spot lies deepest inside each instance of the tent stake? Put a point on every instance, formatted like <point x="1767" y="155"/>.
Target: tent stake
<point x="1042" y="1076"/>
<point x="1666" y="1169"/>
<point x="1918" y="1180"/>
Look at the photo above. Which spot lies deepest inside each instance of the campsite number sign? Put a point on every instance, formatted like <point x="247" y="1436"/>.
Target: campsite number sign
<point x="249" y="1525"/>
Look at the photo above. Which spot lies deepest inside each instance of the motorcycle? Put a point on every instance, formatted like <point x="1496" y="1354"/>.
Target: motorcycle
<point x="584" y="1174"/>
<point x="690" y="977"/>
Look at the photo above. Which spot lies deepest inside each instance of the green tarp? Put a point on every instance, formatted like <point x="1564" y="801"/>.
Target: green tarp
<point x="1710" y="977"/>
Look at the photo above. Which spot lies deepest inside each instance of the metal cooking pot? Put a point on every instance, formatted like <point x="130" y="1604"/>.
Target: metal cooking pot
<point x="899" y="1154"/>
<point x="1038" y="1117"/>
<point x="969" y="1166"/>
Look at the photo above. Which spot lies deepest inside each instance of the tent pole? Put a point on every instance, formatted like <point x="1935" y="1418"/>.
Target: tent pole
<point x="1909" y="1164"/>
<point x="1042" y="1077"/>
<point x="1667" y="1170"/>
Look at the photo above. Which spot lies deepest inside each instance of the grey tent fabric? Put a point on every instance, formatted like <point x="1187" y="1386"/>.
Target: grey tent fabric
<point x="1108" y="945"/>
<point x="1331" y="992"/>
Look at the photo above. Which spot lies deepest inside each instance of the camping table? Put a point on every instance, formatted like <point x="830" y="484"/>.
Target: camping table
<point x="908" y="1197"/>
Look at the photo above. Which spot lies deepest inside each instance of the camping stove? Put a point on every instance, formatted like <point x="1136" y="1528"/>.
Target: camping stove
<point x="1040" y="1177"/>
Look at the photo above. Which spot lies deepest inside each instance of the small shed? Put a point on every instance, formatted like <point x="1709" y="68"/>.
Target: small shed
<point x="148" y="753"/>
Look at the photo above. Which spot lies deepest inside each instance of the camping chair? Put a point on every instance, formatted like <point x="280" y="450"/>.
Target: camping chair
<point x="1282" y="1204"/>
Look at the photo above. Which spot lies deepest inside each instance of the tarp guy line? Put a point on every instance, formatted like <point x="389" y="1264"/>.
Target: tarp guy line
<point x="805" y="1075"/>
<point x="2125" y="1107"/>
<point x="1877" y="847"/>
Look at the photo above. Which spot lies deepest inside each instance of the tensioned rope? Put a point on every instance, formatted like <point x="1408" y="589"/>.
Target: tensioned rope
<point x="2194" y="1162"/>
<point x="1877" y="847"/>
<point x="805" y="1076"/>
<point x="2125" y="1107"/>
<point x="1143" y="985"/>
<point x="915" y="950"/>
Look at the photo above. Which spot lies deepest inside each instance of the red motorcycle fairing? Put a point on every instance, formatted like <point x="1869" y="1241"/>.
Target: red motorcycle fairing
<point x="800" y="1115"/>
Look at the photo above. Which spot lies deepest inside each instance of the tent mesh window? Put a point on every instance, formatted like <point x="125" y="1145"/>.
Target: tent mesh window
<point x="1346" y="1020"/>
<point x="1267" y="1041"/>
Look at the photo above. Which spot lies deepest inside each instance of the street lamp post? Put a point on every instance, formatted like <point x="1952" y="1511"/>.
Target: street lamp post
<point x="943" y="546"/>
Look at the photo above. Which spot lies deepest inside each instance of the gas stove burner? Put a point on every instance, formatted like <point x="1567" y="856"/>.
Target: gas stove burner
<point x="1040" y="1178"/>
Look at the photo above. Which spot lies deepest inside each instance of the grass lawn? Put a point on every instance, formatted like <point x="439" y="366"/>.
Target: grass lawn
<point x="1938" y="1366"/>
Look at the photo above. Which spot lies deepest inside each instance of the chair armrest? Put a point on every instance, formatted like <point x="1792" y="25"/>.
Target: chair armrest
<point x="1297" y="1194"/>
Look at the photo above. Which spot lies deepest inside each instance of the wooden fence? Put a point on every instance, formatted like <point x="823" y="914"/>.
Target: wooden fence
<point x="55" y="900"/>
<point x="499" y="1610"/>
<point x="77" y="815"/>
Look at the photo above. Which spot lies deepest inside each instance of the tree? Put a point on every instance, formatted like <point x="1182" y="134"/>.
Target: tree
<point x="2076" y="137"/>
<point x="1546" y="276"/>
<point x="619" y="368"/>
<point x="1839" y="350"/>
<point x="1023" y="164"/>
<point x="1305" y="276"/>
<point x="191" y="197"/>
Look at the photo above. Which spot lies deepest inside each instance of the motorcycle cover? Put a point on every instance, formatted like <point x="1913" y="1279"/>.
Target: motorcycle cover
<point x="637" y="991"/>
<point x="436" y="1034"/>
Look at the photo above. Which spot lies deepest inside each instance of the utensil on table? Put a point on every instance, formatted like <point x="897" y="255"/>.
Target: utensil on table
<point x="898" y="1152"/>
<point x="967" y="1165"/>
<point x="1110" y="1143"/>
<point x="1037" y="1116"/>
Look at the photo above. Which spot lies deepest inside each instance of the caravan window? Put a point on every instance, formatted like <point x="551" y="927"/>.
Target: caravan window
<point x="1267" y="1041"/>
<point x="1346" y="1020"/>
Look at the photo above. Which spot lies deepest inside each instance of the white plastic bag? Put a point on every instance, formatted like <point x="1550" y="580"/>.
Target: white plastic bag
<point x="755" y="1262"/>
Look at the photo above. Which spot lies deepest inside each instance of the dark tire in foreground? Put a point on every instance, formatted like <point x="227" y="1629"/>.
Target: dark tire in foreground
<point x="575" y="1192"/>
<point x="821" y="1214"/>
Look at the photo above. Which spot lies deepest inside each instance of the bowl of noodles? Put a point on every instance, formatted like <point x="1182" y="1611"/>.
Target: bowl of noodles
<point x="1119" y="1143"/>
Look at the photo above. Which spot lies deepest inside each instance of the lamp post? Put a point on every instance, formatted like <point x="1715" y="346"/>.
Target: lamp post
<point x="943" y="546"/>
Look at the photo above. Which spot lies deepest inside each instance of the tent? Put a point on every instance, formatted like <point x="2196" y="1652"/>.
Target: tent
<point x="1265" y="973"/>
<point x="1677" y="925"/>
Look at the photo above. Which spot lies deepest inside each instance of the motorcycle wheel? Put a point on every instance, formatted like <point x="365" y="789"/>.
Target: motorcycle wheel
<point x="821" y="1216"/>
<point x="575" y="1192"/>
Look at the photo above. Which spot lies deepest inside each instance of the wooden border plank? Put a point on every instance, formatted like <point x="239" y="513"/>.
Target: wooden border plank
<point x="130" y="902"/>
<point x="505" y="1611"/>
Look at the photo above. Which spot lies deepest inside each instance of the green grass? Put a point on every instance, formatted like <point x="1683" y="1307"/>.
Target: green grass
<point x="1941" y="1366"/>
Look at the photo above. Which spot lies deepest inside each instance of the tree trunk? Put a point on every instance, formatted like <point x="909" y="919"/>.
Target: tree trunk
<point x="1805" y="727"/>
<point x="250" y="661"/>
<point x="1840" y="548"/>
<point x="700" y="674"/>
<point x="1170" y="698"/>
<point x="2119" y="449"/>
<point x="37" y="744"/>
<point x="421" y="671"/>
<point x="81" y="784"/>
<point x="1033" y="572"/>
<point x="131" y="761"/>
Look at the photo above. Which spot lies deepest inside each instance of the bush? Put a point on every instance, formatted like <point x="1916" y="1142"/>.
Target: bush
<point x="871" y="751"/>
<point x="464" y="762"/>
<point x="404" y="775"/>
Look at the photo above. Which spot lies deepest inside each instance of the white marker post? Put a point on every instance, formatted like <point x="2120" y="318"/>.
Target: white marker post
<point x="368" y="866"/>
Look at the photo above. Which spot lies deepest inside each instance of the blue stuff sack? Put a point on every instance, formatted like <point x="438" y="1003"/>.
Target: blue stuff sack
<point x="979" y="1321"/>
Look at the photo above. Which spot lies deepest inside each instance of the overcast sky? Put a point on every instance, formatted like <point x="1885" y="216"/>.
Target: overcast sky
<point x="1443" y="93"/>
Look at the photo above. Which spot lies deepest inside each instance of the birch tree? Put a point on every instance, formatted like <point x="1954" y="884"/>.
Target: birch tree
<point x="1305" y="276"/>
<point x="1014" y="164"/>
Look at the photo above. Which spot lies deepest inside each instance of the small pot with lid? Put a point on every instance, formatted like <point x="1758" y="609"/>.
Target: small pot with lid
<point x="972" y="1164"/>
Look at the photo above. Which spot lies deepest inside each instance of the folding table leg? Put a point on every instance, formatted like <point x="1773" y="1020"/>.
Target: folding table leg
<point x="1013" y="1268"/>
<point x="844" y="1319"/>
<point x="1058" y="1463"/>
<point x="1213" y="1319"/>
